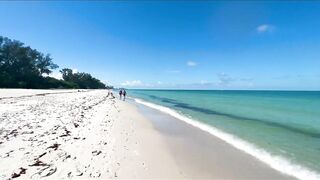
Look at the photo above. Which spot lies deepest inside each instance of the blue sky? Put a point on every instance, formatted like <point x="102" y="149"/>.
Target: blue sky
<point x="183" y="45"/>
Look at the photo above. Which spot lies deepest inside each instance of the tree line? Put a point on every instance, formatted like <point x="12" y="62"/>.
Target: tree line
<point x="24" y="67"/>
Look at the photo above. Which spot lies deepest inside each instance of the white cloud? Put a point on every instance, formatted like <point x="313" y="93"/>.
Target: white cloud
<point x="263" y="28"/>
<point x="56" y="75"/>
<point x="203" y="82"/>
<point x="191" y="63"/>
<point x="225" y="79"/>
<point x="134" y="83"/>
<point x="74" y="70"/>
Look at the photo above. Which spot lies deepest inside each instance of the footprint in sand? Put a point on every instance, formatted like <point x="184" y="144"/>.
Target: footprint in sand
<point x="144" y="166"/>
<point x="8" y="154"/>
<point x="95" y="174"/>
<point x="45" y="172"/>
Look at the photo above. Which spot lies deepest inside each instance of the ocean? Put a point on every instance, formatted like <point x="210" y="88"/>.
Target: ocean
<point x="280" y="128"/>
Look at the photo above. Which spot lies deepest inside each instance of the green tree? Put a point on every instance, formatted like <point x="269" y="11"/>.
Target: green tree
<point x="21" y="66"/>
<point x="67" y="74"/>
<point x="24" y="67"/>
<point x="81" y="79"/>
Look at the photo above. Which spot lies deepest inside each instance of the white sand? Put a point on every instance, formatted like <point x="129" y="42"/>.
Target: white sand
<point x="78" y="134"/>
<point x="7" y="93"/>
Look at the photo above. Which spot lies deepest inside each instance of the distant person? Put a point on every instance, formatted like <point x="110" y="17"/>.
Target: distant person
<point x="124" y="95"/>
<point x="120" y="93"/>
<point x="110" y="94"/>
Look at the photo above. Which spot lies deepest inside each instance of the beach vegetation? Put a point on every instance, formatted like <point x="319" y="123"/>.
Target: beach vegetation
<point x="81" y="79"/>
<point x="24" y="67"/>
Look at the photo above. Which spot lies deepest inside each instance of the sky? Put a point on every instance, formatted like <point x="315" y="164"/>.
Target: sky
<point x="176" y="45"/>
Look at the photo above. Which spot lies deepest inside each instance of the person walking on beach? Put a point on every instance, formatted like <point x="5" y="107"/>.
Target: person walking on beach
<point x="120" y="93"/>
<point x="124" y="95"/>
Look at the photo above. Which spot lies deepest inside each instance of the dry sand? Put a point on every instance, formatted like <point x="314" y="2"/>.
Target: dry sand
<point x="77" y="134"/>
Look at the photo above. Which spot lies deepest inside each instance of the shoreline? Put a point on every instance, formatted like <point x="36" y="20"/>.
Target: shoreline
<point x="203" y="155"/>
<point x="85" y="134"/>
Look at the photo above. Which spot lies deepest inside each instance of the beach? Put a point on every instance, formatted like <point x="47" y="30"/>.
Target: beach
<point x="222" y="90"/>
<point x="85" y="134"/>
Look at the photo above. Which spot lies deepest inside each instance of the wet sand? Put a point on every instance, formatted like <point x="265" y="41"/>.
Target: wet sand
<point x="201" y="155"/>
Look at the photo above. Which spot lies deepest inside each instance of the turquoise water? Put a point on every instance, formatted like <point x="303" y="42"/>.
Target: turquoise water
<point x="284" y="123"/>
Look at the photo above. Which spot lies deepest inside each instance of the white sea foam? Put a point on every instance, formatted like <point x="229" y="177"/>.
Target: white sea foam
<point x="276" y="162"/>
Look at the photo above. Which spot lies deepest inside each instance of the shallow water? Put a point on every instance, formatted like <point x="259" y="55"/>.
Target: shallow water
<point x="283" y="123"/>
